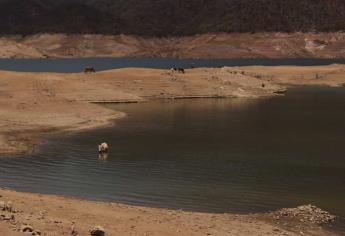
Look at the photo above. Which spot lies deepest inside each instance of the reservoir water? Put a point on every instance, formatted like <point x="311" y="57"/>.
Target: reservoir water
<point x="214" y="155"/>
<point x="78" y="64"/>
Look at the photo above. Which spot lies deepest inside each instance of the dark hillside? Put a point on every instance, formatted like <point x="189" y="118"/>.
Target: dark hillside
<point x="170" y="17"/>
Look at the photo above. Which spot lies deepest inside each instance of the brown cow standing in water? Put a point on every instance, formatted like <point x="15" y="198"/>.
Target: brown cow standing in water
<point x="89" y="69"/>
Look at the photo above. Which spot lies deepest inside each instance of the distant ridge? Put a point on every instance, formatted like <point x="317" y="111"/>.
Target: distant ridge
<point x="169" y="17"/>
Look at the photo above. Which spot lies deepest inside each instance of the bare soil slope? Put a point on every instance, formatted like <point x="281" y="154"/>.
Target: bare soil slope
<point x="207" y="46"/>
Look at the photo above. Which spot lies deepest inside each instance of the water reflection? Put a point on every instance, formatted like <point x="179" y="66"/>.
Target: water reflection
<point x="102" y="156"/>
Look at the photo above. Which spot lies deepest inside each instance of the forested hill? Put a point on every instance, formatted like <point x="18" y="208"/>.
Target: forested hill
<point x="169" y="17"/>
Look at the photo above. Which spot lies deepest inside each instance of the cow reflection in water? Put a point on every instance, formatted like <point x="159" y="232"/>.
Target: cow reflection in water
<point x="102" y="156"/>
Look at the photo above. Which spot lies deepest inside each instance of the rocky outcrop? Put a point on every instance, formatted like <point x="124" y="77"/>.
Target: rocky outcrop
<point x="8" y="214"/>
<point x="306" y="214"/>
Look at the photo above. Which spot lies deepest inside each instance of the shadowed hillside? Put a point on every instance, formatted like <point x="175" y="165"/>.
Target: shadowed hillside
<point x="169" y="17"/>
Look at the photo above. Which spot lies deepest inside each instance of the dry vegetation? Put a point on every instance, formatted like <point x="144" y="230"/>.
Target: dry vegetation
<point x="167" y="18"/>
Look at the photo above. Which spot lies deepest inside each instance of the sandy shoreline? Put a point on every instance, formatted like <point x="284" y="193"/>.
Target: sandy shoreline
<point x="56" y="215"/>
<point x="34" y="105"/>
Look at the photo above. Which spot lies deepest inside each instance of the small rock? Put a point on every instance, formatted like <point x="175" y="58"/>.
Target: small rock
<point x="74" y="232"/>
<point x="97" y="231"/>
<point x="8" y="217"/>
<point x="2" y="206"/>
<point x="37" y="232"/>
<point x="9" y="206"/>
<point x="26" y="228"/>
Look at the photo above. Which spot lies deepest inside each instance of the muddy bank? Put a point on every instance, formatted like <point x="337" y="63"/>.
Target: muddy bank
<point x="207" y="46"/>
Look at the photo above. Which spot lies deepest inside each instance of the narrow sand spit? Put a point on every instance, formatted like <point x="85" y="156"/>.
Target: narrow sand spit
<point x="33" y="105"/>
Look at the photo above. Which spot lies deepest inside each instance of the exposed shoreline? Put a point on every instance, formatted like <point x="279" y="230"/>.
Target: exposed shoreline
<point x="35" y="105"/>
<point x="206" y="46"/>
<point x="58" y="215"/>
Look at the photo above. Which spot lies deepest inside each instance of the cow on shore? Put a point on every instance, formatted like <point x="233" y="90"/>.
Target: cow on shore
<point x="178" y="69"/>
<point x="89" y="69"/>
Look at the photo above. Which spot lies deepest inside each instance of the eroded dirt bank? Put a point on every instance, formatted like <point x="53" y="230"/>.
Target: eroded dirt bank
<point x="208" y="46"/>
<point x="35" y="104"/>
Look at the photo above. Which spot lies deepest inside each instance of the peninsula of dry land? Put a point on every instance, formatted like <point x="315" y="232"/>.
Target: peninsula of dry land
<point x="35" y="104"/>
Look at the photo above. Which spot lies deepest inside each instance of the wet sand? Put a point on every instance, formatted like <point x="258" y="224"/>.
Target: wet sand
<point x="34" y="105"/>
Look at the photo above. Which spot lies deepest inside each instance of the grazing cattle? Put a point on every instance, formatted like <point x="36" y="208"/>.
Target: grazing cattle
<point x="103" y="148"/>
<point x="89" y="69"/>
<point x="179" y="70"/>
